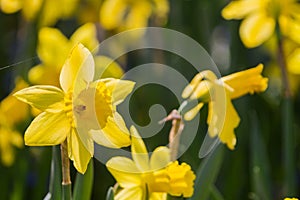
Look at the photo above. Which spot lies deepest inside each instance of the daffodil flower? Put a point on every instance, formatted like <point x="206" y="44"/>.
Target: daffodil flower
<point x="143" y="178"/>
<point x="53" y="49"/>
<point x="50" y="11"/>
<point x="260" y="18"/>
<point x="12" y="112"/>
<point x="82" y="112"/>
<point x="128" y="14"/>
<point x="218" y="93"/>
<point x="290" y="198"/>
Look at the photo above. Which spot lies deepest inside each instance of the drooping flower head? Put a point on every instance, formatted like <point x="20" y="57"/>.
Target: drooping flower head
<point x="218" y="93"/>
<point x="154" y="178"/>
<point x="81" y="112"/>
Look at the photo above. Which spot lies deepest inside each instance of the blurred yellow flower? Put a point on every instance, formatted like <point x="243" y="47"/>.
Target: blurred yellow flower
<point x="127" y="14"/>
<point x="81" y="113"/>
<point x="208" y="89"/>
<point x="49" y="11"/>
<point x="53" y="49"/>
<point x="260" y="18"/>
<point x="12" y="112"/>
<point x="290" y="198"/>
<point x="153" y="178"/>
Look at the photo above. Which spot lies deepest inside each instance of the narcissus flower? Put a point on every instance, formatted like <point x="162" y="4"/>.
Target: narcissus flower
<point x="12" y="112"/>
<point x="218" y="93"/>
<point x="154" y="178"/>
<point x="50" y="11"/>
<point x="290" y="198"/>
<point x="53" y="49"/>
<point x="260" y="18"/>
<point x="81" y="113"/>
<point x="127" y="14"/>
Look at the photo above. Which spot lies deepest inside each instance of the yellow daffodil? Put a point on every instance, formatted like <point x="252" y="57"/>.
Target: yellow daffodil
<point x="153" y="178"/>
<point x="260" y="18"/>
<point x="128" y="14"/>
<point x="290" y="198"/>
<point x="12" y="112"/>
<point x="222" y="117"/>
<point x="53" y="49"/>
<point x="81" y="113"/>
<point x="49" y="11"/>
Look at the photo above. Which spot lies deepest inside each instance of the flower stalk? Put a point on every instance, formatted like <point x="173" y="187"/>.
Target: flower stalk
<point x="287" y="121"/>
<point x="175" y="132"/>
<point x="66" y="180"/>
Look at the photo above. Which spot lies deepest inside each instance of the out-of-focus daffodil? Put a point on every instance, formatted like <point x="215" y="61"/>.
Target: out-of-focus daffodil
<point x="290" y="198"/>
<point x="12" y="112"/>
<point x="154" y="178"/>
<point x="260" y="18"/>
<point x="53" y="49"/>
<point x="81" y="113"/>
<point x="49" y="11"/>
<point x="208" y="89"/>
<point x="127" y="14"/>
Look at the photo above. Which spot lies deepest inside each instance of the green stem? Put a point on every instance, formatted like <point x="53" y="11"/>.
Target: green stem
<point x="287" y="121"/>
<point x="84" y="183"/>
<point x="55" y="175"/>
<point x="66" y="180"/>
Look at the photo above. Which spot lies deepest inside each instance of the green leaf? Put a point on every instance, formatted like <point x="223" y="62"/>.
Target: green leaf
<point x="288" y="146"/>
<point x="259" y="163"/>
<point x="55" y="189"/>
<point x="207" y="174"/>
<point x="84" y="183"/>
<point x="215" y="193"/>
<point x="110" y="194"/>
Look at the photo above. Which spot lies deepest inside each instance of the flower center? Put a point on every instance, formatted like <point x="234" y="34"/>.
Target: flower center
<point x="103" y="104"/>
<point x="175" y="179"/>
<point x="69" y="108"/>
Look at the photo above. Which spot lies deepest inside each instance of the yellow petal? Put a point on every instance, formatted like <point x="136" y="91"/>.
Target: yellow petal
<point x="160" y="158"/>
<point x="256" y="29"/>
<point x="47" y="129"/>
<point x="223" y="126"/>
<point x="130" y="193"/>
<point x="106" y="67"/>
<point x="15" y="110"/>
<point x="78" y="152"/>
<point x="191" y="87"/>
<point x="11" y="6"/>
<point x="53" y="47"/>
<point x="111" y="13"/>
<point x="158" y="196"/>
<point x="78" y="69"/>
<point x="294" y="62"/>
<point x="124" y="171"/>
<point x="139" y="151"/>
<point x="86" y="35"/>
<point x="44" y="75"/>
<point x="120" y="89"/>
<point x="114" y="134"/>
<point x="138" y="15"/>
<point x="42" y="97"/>
<point x="241" y="8"/>
<point x="247" y="81"/>
<point x="189" y="115"/>
<point x="32" y="8"/>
